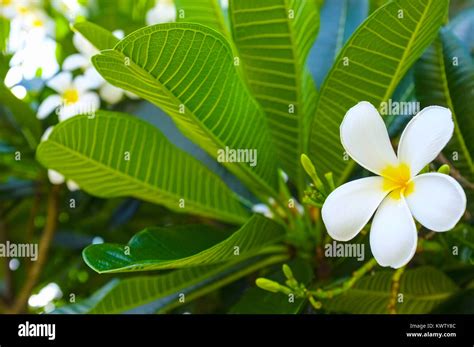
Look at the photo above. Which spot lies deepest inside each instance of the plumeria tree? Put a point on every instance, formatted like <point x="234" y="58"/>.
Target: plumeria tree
<point x="244" y="157"/>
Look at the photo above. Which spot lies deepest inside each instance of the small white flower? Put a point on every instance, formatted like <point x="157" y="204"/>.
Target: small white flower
<point x="82" y="60"/>
<point x="36" y="56"/>
<point x="262" y="209"/>
<point x="29" y="25"/>
<point x="54" y="176"/>
<point x="74" y="97"/>
<point x="435" y="200"/>
<point x="70" y="8"/>
<point x="163" y="12"/>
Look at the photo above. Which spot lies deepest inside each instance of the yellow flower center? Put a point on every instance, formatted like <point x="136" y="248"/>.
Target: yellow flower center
<point x="22" y="9"/>
<point x="38" y="23"/>
<point x="397" y="180"/>
<point x="70" y="96"/>
<point x="5" y="2"/>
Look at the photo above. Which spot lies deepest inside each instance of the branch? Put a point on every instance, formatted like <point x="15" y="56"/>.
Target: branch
<point x="392" y="304"/>
<point x="45" y="241"/>
<point x="348" y="284"/>
<point x="455" y="172"/>
<point x="8" y="274"/>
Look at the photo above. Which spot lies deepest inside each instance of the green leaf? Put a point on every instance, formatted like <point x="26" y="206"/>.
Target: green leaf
<point x="273" y="42"/>
<point x="258" y="301"/>
<point x="4" y="33"/>
<point x="188" y="71"/>
<point x="183" y="246"/>
<point x="463" y="27"/>
<point x="149" y="294"/>
<point x="99" y="37"/>
<point x="339" y="19"/>
<point x="205" y="12"/>
<point x="445" y="77"/>
<point x="369" y="68"/>
<point x="423" y="289"/>
<point x="19" y="116"/>
<point x="93" y="152"/>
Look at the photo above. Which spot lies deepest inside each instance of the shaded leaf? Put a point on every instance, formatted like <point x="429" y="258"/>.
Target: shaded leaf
<point x="445" y="77"/>
<point x="149" y="294"/>
<point x="183" y="246"/>
<point x="423" y="289"/>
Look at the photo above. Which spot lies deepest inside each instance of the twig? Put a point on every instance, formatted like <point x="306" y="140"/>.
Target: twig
<point x="454" y="172"/>
<point x="45" y="241"/>
<point x="30" y="228"/>
<point x="8" y="297"/>
<point x="392" y="304"/>
<point x="358" y="274"/>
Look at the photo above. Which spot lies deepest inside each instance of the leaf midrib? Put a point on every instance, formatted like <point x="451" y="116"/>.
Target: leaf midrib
<point x="195" y="120"/>
<point x="194" y="205"/>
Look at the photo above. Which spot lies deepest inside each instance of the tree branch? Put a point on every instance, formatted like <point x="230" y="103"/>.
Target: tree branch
<point x="45" y="241"/>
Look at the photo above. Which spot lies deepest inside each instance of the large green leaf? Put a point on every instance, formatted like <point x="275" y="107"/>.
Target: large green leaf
<point x="188" y="71"/>
<point x="273" y="42"/>
<point x="183" y="246"/>
<point x="99" y="37"/>
<point x="149" y="294"/>
<point x="206" y="12"/>
<point x="369" y="68"/>
<point x="94" y="153"/>
<point x="445" y="76"/>
<point x="423" y="289"/>
<point x="339" y="19"/>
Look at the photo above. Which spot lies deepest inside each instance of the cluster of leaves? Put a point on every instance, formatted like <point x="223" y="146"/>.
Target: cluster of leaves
<point x="245" y="79"/>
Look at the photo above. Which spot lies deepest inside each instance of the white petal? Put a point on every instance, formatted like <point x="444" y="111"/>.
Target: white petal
<point x="95" y="80"/>
<point x="83" y="45"/>
<point x="393" y="235"/>
<point x="118" y="34"/>
<point x="60" y="82"/>
<point x="55" y="177"/>
<point x="72" y="186"/>
<point x="424" y="137"/>
<point x="88" y="103"/>
<point x="437" y="201"/>
<point x="48" y="105"/>
<point x="365" y="138"/>
<point x="110" y="93"/>
<point x="161" y="13"/>
<point x="348" y="208"/>
<point x="262" y="209"/>
<point x="83" y="84"/>
<point x="75" y="61"/>
<point x="46" y="133"/>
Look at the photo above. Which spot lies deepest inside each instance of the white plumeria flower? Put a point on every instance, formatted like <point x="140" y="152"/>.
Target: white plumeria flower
<point x="29" y="25"/>
<point x="54" y="176"/>
<point x="71" y="9"/>
<point x="34" y="57"/>
<point x="398" y="194"/>
<point x="163" y="12"/>
<point x="74" y="97"/>
<point x="82" y="60"/>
